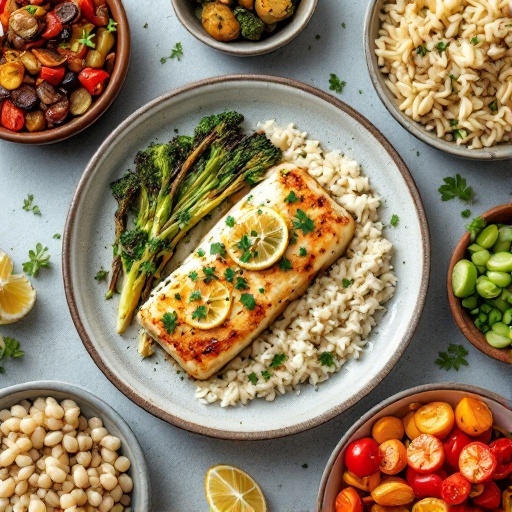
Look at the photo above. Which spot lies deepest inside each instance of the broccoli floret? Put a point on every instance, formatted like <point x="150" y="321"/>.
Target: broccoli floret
<point x="251" y="27"/>
<point x="223" y="121"/>
<point x="133" y="244"/>
<point x="125" y="187"/>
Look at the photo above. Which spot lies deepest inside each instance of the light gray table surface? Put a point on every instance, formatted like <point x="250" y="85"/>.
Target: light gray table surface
<point x="288" y="469"/>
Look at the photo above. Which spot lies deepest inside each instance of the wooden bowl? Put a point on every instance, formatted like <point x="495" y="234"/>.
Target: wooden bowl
<point x="100" y="105"/>
<point x="502" y="214"/>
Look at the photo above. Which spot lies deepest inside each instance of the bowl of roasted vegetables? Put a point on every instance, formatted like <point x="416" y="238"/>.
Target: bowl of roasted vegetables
<point x="434" y="448"/>
<point x="479" y="283"/>
<point x="244" y="27"/>
<point x="62" y="64"/>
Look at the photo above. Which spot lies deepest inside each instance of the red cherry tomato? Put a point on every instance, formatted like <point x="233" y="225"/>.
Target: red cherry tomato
<point x="425" y="454"/>
<point x="502" y="450"/>
<point x="490" y="497"/>
<point x="453" y="446"/>
<point x="362" y="457"/>
<point x="348" y="501"/>
<point x="53" y="26"/>
<point x="484" y="437"/>
<point x="476" y="462"/>
<point x="12" y="117"/>
<point x="424" y="486"/>
<point x="455" y="489"/>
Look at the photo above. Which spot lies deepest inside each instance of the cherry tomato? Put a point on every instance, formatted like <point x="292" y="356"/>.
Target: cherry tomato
<point x="394" y="456"/>
<point x="502" y="450"/>
<point x="455" y="489"/>
<point x="348" y="501"/>
<point x="490" y="498"/>
<point x="425" y="454"/>
<point x="476" y="462"/>
<point x="484" y="437"/>
<point x="435" y="418"/>
<point x="453" y="446"/>
<point x="431" y="505"/>
<point x="12" y="117"/>
<point x="53" y="76"/>
<point x="424" y="486"/>
<point x="362" y="457"/>
<point x="53" y="26"/>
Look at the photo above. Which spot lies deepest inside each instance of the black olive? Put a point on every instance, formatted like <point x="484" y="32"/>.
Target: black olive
<point x="47" y="93"/>
<point x="4" y="93"/>
<point x="58" y="112"/>
<point x="70" y="81"/>
<point x="24" y="97"/>
<point x="65" y="35"/>
<point x="66" y="12"/>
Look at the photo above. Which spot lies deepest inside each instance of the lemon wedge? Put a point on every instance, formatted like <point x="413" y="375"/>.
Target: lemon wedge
<point x="17" y="296"/>
<point x="230" y="489"/>
<point x="208" y="304"/>
<point x="258" y="239"/>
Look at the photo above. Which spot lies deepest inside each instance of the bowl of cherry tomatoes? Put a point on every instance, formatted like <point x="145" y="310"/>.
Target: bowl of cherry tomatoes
<point x="433" y="448"/>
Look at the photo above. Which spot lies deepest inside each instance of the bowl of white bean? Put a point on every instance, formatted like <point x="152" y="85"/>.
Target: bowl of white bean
<point x="63" y="448"/>
<point x="443" y="73"/>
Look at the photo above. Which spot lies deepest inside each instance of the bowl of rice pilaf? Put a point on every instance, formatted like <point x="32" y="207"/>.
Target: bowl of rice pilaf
<point x="444" y="71"/>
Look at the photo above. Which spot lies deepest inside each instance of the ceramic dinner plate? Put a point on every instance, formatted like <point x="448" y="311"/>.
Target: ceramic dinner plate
<point x="154" y="383"/>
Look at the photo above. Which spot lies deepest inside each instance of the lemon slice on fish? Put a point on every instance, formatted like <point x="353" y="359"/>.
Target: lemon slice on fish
<point x="208" y="304"/>
<point x="17" y="297"/>
<point x="258" y="239"/>
<point x="230" y="488"/>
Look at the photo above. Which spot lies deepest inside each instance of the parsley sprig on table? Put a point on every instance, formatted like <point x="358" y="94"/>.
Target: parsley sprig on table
<point x="456" y="187"/>
<point x="9" y="349"/>
<point x="38" y="259"/>
<point x="335" y="84"/>
<point x="176" y="53"/>
<point x="454" y="357"/>
<point x="28" y="205"/>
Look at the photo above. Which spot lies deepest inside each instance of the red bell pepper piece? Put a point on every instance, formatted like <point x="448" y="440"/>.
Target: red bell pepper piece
<point x="2" y="5"/>
<point x="53" y="26"/>
<point x="95" y="12"/>
<point x="53" y="76"/>
<point x="12" y="117"/>
<point x="93" y="79"/>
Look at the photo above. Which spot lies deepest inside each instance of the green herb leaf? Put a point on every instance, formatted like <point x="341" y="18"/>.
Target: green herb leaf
<point x="346" y="282"/>
<point x="456" y="187"/>
<point x="218" y="248"/>
<point x="394" y="220"/>
<point x="176" y="53"/>
<point x="454" y="357"/>
<point x="56" y="236"/>
<point x="101" y="275"/>
<point x="460" y="134"/>
<point x="454" y="122"/>
<point x="200" y="313"/>
<point x="195" y="295"/>
<point x="200" y="253"/>
<point x="335" y="84"/>
<point x="465" y="214"/>
<point x="453" y="81"/>
<point x="86" y="39"/>
<point x="266" y="374"/>
<point x="177" y="296"/>
<point x="241" y="284"/>
<point x="493" y="106"/>
<point x="247" y="299"/>
<point x="209" y="273"/>
<point x="293" y="237"/>
<point x="285" y="264"/>
<point x="253" y="378"/>
<point x="303" y="222"/>
<point x="229" y="274"/>
<point x="230" y="221"/>
<point x="475" y="226"/>
<point x="441" y="46"/>
<point x="170" y="321"/>
<point x="31" y="9"/>
<point x="303" y="252"/>
<point x="38" y="259"/>
<point x="278" y="360"/>
<point x="326" y="359"/>
<point x="261" y="290"/>
<point x="28" y="206"/>
<point x="9" y="348"/>
<point x="112" y="25"/>
<point x="291" y="198"/>
<point x="422" y="50"/>
<point x="193" y="275"/>
<point x="474" y="40"/>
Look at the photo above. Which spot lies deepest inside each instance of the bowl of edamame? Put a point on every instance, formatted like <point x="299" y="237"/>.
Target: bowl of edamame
<point x="480" y="283"/>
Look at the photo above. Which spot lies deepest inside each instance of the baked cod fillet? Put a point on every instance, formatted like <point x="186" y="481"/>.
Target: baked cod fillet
<point x="317" y="240"/>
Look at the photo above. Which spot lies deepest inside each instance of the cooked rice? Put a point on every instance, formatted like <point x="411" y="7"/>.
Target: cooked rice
<point x="328" y="317"/>
<point x="449" y="63"/>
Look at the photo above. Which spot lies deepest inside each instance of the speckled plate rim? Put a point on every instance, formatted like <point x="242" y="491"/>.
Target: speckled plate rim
<point x="135" y="396"/>
<point x="73" y="391"/>
<point x="410" y="392"/>
<point x="499" y="152"/>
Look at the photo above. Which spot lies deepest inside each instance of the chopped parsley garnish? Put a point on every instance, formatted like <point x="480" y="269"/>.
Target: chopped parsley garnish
<point x="56" y="236"/>
<point x="101" y="275"/>
<point x="230" y="221"/>
<point x="475" y="226"/>
<point x="441" y="46"/>
<point x="266" y="374"/>
<point x="453" y="81"/>
<point x="343" y="25"/>
<point x="335" y="84"/>
<point x="177" y="296"/>
<point x="218" y="248"/>
<point x="170" y="321"/>
<point x="454" y="122"/>
<point x="9" y="348"/>
<point x="394" y="220"/>
<point x="253" y="378"/>
<point x="112" y="25"/>
<point x="195" y="295"/>
<point x="460" y="134"/>
<point x="86" y="39"/>
<point x="456" y="187"/>
<point x="261" y="290"/>
<point x="465" y="214"/>
<point x="474" y="40"/>
<point x="244" y="244"/>
<point x="193" y="275"/>
<point x="278" y="360"/>
<point x="303" y="252"/>
<point x="209" y="273"/>
<point x="38" y="259"/>
<point x="254" y="233"/>
<point x="29" y="207"/>
<point x="291" y="198"/>
<point x="229" y="274"/>
<point x="326" y="359"/>
<point x="422" y="50"/>
<point x="145" y="25"/>
<point x="241" y="284"/>
<point x="493" y="106"/>
<point x="346" y="282"/>
<point x="303" y="222"/>
<point x="176" y="53"/>
<point x="293" y="237"/>
<point x="31" y="9"/>
<point x="200" y="253"/>
<point x="285" y="264"/>
<point x="247" y="299"/>
<point x="200" y="313"/>
<point x="454" y="357"/>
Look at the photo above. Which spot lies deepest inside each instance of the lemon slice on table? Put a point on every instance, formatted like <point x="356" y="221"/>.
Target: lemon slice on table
<point x="17" y="296"/>
<point x="230" y="489"/>
<point x="258" y="239"/>
<point x="208" y="304"/>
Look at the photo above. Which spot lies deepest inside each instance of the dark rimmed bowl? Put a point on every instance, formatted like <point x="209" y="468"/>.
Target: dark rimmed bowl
<point x="502" y="214"/>
<point x="92" y="406"/>
<point x="332" y="482"/>
<point x="184" y="10"/>
<point x="101" y="104"/>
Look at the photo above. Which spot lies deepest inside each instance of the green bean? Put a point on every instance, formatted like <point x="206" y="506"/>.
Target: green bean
<point x="501" y="246"/>
<point x="507" y="317"/>
<point x="506" y="295"/>
<point x="480" y="258"/>
<point x="497" y="340"/>
<point x="486" y="288"/>
<point x="494" y="317"/>
<point x="500" y="262"/>
<point x="475" y="311"/>
<point x="486" y="308"/>
<point x="501" y="304"/>
<point x="470" y="302"/>
<point x="488" y="236"/>
<point x="501" y="279"/>
<point x="474" y="248"/>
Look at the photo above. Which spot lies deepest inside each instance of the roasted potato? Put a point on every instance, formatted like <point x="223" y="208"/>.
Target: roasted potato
<point x="246" y="4"/>
<point x="272" y="11"/>
<point x="220" y="22"/>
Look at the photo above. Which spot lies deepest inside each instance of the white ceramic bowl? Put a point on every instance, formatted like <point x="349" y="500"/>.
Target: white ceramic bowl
<point x="184" y="10"/>
<point x="331" y="482"/>
<point x="91" y="406"/>
<point x="371" y="31"/>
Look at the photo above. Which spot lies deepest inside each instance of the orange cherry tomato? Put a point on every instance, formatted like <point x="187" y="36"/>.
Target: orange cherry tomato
<point x="435" y="418"/>
<point x="348" y="501"/>
<point x="476" y="462"/>
<point x="473" y="416"/>
<point x="455" y="489"/>
<point x="425" y="454"/>
<point x="388" y="427"/>
<point x="431" y="505"/>
<point x="410" y="426"/>
<point x="393" y="456"/>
